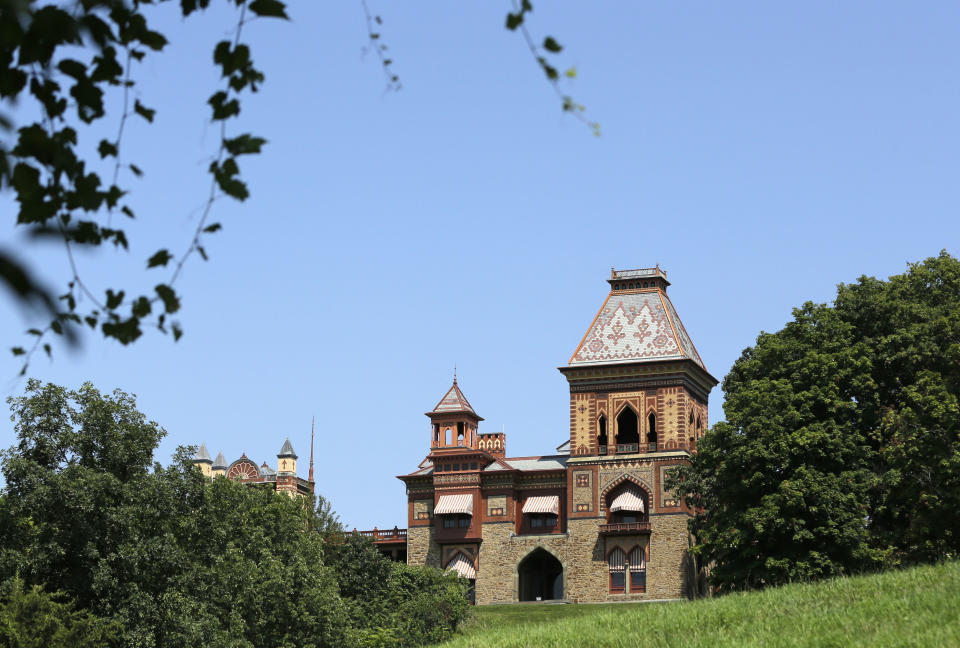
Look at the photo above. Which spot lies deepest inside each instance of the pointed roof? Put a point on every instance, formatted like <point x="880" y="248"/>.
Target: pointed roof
<point x="635" y="325"/>
<point x="220" y="461"/>
<point x="202" y="454"/>
<point x="454" y="401"/>
<point x="287" y="450"/>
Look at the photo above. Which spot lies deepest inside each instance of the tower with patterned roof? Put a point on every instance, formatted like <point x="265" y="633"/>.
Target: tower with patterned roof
<point x="637" y="383"/>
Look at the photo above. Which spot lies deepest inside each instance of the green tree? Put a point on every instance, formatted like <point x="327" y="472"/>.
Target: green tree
<point x="32" y="618"/>
<point x="172" y="558"/>
<point x="840" y="452"/>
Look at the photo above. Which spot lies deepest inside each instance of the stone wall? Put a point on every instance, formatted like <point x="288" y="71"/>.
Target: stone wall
<point x="668" y="566"/>
<point x="421" y="548"/>
<point x="582" y="552"/>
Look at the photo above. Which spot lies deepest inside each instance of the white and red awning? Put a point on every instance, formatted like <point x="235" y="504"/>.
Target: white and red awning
<point x="628" y="500"/>
<point x="542" y="504"/>
<point x="454" y="504"/>
<point x="462" y="565"/>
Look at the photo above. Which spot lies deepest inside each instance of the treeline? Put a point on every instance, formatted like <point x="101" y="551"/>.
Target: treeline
<point x="840" y="452"/>
<point x="99" y="546"/>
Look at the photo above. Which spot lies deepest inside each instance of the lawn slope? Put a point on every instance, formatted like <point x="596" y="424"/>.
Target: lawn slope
<point x="912" y="607"/>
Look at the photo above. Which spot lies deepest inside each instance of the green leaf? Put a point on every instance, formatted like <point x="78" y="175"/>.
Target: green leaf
<point x="244" y="144"/>
<point x="136" y="170"/>
<point x="141" y="307"/>
<point x="212" y="228"/>
<point x="114" y="299"/>
<point x="551" y="45"/>
<point x="143" y="111"/>
<point x="56" y="327"/>
<point x="514" y="20"/>
<point x="170" y="301"/>
<point x="571" y="72"/>
<point x="177" y="331"/>
<point x="17" y="351"/>
<point x="107" y="148"/>
<point x="160" y="258"/>
<point x="269" y="8"/>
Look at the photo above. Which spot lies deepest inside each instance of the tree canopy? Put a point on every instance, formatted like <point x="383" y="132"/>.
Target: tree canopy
<point x="174" y="559"/>
<point x="841" y="446"/>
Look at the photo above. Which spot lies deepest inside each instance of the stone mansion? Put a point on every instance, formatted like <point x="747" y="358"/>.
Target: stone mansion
<point x="592" y="521"/>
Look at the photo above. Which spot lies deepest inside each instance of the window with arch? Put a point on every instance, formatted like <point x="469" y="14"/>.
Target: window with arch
<point x="652" y="431"/>
<point x="460" y="433"/>
<point x="638" y="570"/>
<point x="602" y="433"/>
<point x="616" y="563"/>
<point x="628" y="433"/>
<point x="627" y="504"/>
<point x="436" y="434"/>
<point x="446" y="437"/>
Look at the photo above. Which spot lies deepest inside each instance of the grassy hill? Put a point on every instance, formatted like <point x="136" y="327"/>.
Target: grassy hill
<point x="913" y="607"/>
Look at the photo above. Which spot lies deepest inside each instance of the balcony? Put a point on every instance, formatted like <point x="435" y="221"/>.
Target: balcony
<point x="625" y="528"/>
<point x="628" y="448"/>
<point x="385" y="536"/>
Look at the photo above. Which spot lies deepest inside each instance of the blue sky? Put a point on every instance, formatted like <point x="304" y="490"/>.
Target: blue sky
<point x="761" y="153"/>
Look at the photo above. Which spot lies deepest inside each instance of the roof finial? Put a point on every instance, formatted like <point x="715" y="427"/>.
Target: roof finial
<point x="454" y="373"/>
<point x="310" y="477"/>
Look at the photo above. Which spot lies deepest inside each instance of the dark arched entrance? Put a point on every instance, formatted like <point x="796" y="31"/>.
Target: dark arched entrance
<point x="541" y="577"/>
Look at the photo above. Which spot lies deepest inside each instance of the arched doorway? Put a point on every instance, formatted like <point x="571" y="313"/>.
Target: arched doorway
<point x="541" y="577"/>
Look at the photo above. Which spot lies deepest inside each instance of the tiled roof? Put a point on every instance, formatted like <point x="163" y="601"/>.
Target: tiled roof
<point x="220" y="462"/>
<point x="556" y="462"/>
<point x="635" y="327"/>
<point x="266" y="470"/>
<point x="453" y="401"/>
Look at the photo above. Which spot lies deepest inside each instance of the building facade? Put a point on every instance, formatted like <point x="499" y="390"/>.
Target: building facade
<point x="283" y="479"/>
<point x="592" y="521"/>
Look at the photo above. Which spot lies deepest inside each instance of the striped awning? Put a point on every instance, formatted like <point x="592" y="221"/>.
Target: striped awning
<point x="628" y="500"/>
<point x="542" y="504"/>
<point x="462" y="565"/>
<point x="453" y="504"/>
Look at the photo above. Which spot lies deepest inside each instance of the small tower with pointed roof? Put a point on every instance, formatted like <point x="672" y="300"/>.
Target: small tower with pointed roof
<point x="453" y="423"/>
<point x="287" y="469"/>
<point x="219" y="467"/>
<point x="203" y="461"/>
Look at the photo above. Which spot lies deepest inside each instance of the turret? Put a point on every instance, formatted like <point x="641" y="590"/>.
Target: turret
<point x="203" y="461"/>
<point x="453" y="423"/>
<point x="287" y="460"/>
<point x="219" y="467"/>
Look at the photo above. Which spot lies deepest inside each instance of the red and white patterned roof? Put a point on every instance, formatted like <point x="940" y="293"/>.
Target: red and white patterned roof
<point x="640" y="326"/>
<point x="453" y="401"/>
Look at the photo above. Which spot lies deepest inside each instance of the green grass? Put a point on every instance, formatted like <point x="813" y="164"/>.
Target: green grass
<point x="912" y="607"/>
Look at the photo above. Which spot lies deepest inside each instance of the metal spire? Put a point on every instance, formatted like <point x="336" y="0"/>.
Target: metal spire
<point x="310" y="477"/>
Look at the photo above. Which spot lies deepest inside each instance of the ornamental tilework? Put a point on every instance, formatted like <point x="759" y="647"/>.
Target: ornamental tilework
<point x="635" y="327"/>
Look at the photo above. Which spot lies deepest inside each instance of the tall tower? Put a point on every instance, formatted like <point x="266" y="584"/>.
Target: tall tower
<point x="637" y="383"/>
<point x="219" y="467"/>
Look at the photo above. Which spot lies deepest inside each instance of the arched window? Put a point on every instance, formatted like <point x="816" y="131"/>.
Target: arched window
<point x="436" y="434"/>
<point x="691" y="418"/>
<point x="602" y="436"/>
<point x="627" y="504"/>
<point x="699" y="424"/>
<point x="446" y="437"/>
<point x="652" y="431"/>
<point x="616" y="563"/>
<point x="460" y="433"/>
<point x="638" y="571"/>
<point x="627" y="431"/>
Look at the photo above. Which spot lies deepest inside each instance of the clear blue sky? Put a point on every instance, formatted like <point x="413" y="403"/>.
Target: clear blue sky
<point x="761" y="153"/>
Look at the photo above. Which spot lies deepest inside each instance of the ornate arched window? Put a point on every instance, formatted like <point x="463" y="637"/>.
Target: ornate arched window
<point x="638" y="570"/>
<point x="652" y="431"/>
<point x="616" y="563"/>
<point x="628" y="433"/>
<point x="602" y="433"/>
